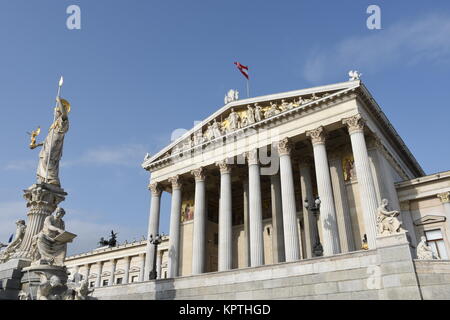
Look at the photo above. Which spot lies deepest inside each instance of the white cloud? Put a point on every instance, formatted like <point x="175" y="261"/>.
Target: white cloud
<point x="425" y="39"/>
<point x="20" y="165"/>
<point x="125" y="155"/>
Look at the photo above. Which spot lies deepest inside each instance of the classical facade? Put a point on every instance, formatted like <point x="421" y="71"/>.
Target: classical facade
<point x="309" y="194"/>
<point x="248" y="171"/>
<point x="122" y="264"/>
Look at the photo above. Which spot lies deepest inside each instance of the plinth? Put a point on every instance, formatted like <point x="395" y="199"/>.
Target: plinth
<point x="34" y="276"/>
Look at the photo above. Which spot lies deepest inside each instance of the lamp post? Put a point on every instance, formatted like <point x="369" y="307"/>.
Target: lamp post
<point x="315" y="209"/>
<point x="155" y="241"/>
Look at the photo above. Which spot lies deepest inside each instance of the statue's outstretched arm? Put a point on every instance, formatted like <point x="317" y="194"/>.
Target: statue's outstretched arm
<point x="62" y="109"/>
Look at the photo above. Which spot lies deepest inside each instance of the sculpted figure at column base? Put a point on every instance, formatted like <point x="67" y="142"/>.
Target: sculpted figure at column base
<point x="425" y="252"/>
<point x="11" y="248"/>
<point x="387" y="221"/>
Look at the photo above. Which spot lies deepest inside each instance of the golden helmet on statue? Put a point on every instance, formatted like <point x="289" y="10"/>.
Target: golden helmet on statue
<point x="65" y="104"/>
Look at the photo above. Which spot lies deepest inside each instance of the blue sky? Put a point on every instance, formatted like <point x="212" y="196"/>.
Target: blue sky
<point x="137" y="70"/>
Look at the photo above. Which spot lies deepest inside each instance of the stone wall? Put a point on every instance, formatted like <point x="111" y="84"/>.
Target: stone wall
<point x="434" y="278"/>
<point x="10" y="276"/>
<point x="387" y="273"/>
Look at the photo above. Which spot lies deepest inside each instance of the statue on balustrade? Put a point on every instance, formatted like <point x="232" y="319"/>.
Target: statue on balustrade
<point x="12" y="247"/>
<point x="233" y="120"/>
<point x="387" y="221"/>
<point x="424" y="252"/>
<point x="258" y="112"/>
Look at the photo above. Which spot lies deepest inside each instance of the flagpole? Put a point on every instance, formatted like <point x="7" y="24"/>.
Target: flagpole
<point x="248" y="90"/>
<point x="61" y="81"/>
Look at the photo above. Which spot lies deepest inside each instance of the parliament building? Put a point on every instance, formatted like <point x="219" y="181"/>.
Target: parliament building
<point x="307" y="194"/>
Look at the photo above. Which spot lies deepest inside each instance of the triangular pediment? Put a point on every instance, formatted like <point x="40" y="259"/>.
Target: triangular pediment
<point x="219" y="124"/>
<point x="429" y="219"/>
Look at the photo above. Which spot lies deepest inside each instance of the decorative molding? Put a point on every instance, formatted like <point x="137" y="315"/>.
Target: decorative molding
<point x="199" y="174"/>
<point x="429" y="219"/>
<point x="355" y="123"/>
<point x="252" y="157"/>
<point x="155" y="188"/>
<point x="224" y="166"/>
<point x="176" y="182"/>
<point x="317" y="135"/>
<point x="284" y="147"/>
<point x="444" y="197"/>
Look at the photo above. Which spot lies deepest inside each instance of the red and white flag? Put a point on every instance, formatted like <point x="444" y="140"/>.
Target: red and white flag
<point x="243" y="69"/>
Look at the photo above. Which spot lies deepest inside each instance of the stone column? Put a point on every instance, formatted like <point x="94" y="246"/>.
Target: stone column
<point x="113" y="270"/>
<point x="246" y="221"/>
<point x="255" y="210"/>
<point x="42" y="200"/>
<point x="153" y="227"/>
<point x="309" y="219"/>
<point x="174" y="233"/>
<point x="366" y="185"/>
<point x="225" y="218"/>
<point x="277" y="220"/>
<point x="408" y="223"/>
<point x="198" y="247"/>
<point x="98" y="281"/>
<point x="158" y="264"/>
<point x="88" y="267"/>
<point x="330" y="241"/>
<point x="126" y="276"/>
<point x="347" y="241"/>
<point x="291" y="235"/>
<point x="142" y="268"/>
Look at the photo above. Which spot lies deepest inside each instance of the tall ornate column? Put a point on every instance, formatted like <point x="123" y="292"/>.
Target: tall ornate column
<point x="278" y="251"/>
<point x="309" y="219"/>
<point x="344" y="222"/>
<point x="246" y="209"/>
<point x="174" y="233"/>
<point x="225" y="218"/>
<point x="255" y="210"/>
<point x="99" y="275"/>
<point x="42" y="200"/>
<point x="153" y="227"/>
<point x="366" y="185"/>
<point x="142" y="268"/>
<point x="126" y="276"/>
<point x="330" y="241"/>
<point x="198" y="247"/>
<point x="291" y="235"/>
<point x="113" y="270"/>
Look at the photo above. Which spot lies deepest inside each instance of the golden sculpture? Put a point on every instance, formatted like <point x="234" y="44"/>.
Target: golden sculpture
<point x="33" y="136"/>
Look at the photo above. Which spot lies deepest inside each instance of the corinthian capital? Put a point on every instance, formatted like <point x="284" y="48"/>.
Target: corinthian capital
<point x="355" y="123"/>
<point x="284" y="147"/>
<point x="176" y="182"/>
<point x="317" y="135"/>
<point x="199" y="174"/>
<point x="155" y="188"/>
<point x="224" y="166"/>
<point x="252" y="156"/>
<point x="445" y="197"/>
